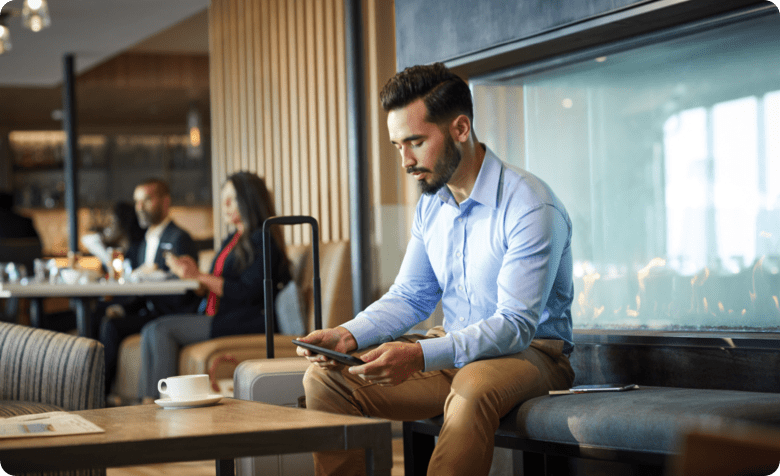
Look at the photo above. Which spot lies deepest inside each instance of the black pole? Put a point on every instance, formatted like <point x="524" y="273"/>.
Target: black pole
<point x="71" y="153"/>
<point x="358" y="166"/>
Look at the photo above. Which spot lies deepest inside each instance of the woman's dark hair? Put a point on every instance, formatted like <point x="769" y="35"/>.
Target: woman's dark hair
<point x="255" y="205"/>
<point x="444" y="93"/>
<point x="128" y="221"/>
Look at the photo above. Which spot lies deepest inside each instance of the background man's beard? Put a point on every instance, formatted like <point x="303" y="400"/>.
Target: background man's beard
<point x="443" y="170"/>
<point x="145" y="220"/>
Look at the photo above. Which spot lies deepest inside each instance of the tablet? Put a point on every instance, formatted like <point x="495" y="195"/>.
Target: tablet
<point x="345" y="359"/>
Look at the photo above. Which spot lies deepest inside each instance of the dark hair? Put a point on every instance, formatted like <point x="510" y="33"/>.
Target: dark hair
<point x="161" y="186"/>
<point x="128" y="221"/>
<point x="255" y="205"/>
<point x="444" y="93"/>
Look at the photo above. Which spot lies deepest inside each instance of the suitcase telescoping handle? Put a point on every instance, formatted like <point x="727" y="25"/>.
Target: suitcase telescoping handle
<point x="268" y="289"/>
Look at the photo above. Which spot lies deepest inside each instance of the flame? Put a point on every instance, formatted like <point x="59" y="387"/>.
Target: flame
<point x="588" y="281"/>
<point x="777" y="303"/>
<point x="744" y="311"/>
<point x="644" y="272"/>
<point x="631" y="312"/>
<point x="765" y="234"/>
<point x="705" y="273"/>
<point x="759" y="266"/>
<point x="721" y="308"/>
<point x="704" y="303"/>
<point x="582" y="301"/>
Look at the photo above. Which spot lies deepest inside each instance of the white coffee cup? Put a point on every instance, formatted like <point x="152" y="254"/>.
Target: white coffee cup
<point x="185" y="387"/>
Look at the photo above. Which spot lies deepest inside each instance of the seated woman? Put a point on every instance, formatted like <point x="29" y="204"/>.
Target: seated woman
<point x="234" y="288"/>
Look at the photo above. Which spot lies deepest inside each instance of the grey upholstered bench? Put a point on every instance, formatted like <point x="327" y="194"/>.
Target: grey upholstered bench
<point x="641" y="427"/>
<point x="687" y="382"/>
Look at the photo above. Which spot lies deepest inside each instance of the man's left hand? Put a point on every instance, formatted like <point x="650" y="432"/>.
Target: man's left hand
<point x="391" y="363"/>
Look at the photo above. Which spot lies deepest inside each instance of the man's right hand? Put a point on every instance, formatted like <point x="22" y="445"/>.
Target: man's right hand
<point x="338" y="339"/>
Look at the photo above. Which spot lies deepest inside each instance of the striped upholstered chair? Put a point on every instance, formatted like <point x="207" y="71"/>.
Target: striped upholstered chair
<point x="42" y="371"/>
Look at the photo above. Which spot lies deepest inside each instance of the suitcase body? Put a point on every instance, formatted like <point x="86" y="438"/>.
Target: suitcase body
<point x="277" y="381"/>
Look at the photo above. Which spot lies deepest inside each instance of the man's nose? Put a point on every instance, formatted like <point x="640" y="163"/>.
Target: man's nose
<point x="407" y="158"/>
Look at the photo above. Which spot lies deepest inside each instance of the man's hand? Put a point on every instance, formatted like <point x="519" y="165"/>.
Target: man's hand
<point x="115" y="311"/>
<point x="338" y="339"/>
<point x="391" y="363"/>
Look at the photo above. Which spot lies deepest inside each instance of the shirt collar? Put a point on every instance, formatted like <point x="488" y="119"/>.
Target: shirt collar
<point x="486" y="187"/>
<point x="155" y="231"/>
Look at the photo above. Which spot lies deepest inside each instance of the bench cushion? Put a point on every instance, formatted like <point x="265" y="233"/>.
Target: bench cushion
<point x="648" y="419"/>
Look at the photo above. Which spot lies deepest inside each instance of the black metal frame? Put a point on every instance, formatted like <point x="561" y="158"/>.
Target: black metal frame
<point x="539" y="457"/>
<point x="268" y="289"/>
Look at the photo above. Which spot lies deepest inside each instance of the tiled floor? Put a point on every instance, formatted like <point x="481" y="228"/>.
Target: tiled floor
<point x="207" y="468"/>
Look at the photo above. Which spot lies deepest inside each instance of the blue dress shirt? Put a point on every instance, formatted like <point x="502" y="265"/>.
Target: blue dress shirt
<point x="500" y="262"/>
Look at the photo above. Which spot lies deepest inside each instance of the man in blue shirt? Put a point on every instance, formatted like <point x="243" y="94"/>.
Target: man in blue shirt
<point x="493" y="243"/>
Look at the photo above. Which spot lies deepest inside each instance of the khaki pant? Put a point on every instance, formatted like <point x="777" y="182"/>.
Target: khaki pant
<point x="472" y="399"/>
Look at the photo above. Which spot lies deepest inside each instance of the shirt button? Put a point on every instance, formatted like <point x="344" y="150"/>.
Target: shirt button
<point x="460" y="219"/>
<point x="461" y="319"/>
<point x="460" y="288"/>
<point x="458" y="254"/>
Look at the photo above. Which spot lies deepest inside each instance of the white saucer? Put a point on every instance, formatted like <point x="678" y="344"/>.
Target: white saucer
<point x="200" y="401"/>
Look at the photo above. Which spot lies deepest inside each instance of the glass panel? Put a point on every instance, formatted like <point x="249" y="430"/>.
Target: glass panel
<point x="667" y="156"/>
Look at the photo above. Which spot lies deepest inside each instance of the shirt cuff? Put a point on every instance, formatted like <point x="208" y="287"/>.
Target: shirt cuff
<point x="363" y="331"/>
<point x="438" y="353"/>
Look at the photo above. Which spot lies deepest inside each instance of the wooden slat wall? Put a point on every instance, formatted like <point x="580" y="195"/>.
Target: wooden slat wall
<point x="278" y="102"/>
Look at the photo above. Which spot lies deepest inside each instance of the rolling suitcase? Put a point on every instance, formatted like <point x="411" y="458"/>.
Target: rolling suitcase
<point x="278" y="381"/>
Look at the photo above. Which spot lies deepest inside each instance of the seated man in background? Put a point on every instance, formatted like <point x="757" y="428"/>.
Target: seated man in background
<point x="152" y="205"/>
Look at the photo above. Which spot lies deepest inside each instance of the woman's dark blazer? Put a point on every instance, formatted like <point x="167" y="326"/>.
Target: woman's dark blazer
<point x="242" y="306"/>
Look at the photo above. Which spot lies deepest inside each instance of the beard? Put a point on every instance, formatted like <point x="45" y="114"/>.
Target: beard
<point x="443" y="170"/>
<point x="147" y="219"/>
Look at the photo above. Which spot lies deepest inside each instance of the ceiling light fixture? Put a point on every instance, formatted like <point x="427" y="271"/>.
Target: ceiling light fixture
<point x="35" y="15"/>
<point x="5" y="35"/>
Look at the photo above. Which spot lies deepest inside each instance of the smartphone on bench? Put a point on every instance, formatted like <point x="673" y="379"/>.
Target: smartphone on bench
<point x="609" y="387"/>
<point x="340" y="357"/>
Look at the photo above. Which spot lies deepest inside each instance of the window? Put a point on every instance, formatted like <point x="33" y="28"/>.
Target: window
<point x="666" y="152"/>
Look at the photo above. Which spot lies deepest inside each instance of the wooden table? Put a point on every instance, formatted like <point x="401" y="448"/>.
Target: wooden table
<point x="83" y="293"/>
<point x="149" y="434"/>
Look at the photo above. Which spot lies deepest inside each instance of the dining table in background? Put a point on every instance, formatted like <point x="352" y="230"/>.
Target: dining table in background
<point x="83" y="294"/>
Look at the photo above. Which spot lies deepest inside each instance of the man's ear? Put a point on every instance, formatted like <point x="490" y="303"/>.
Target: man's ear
<point x="460" y="128"/>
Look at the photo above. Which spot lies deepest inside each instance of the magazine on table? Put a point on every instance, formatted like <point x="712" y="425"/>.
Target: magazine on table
<point x="46" y="424"/>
